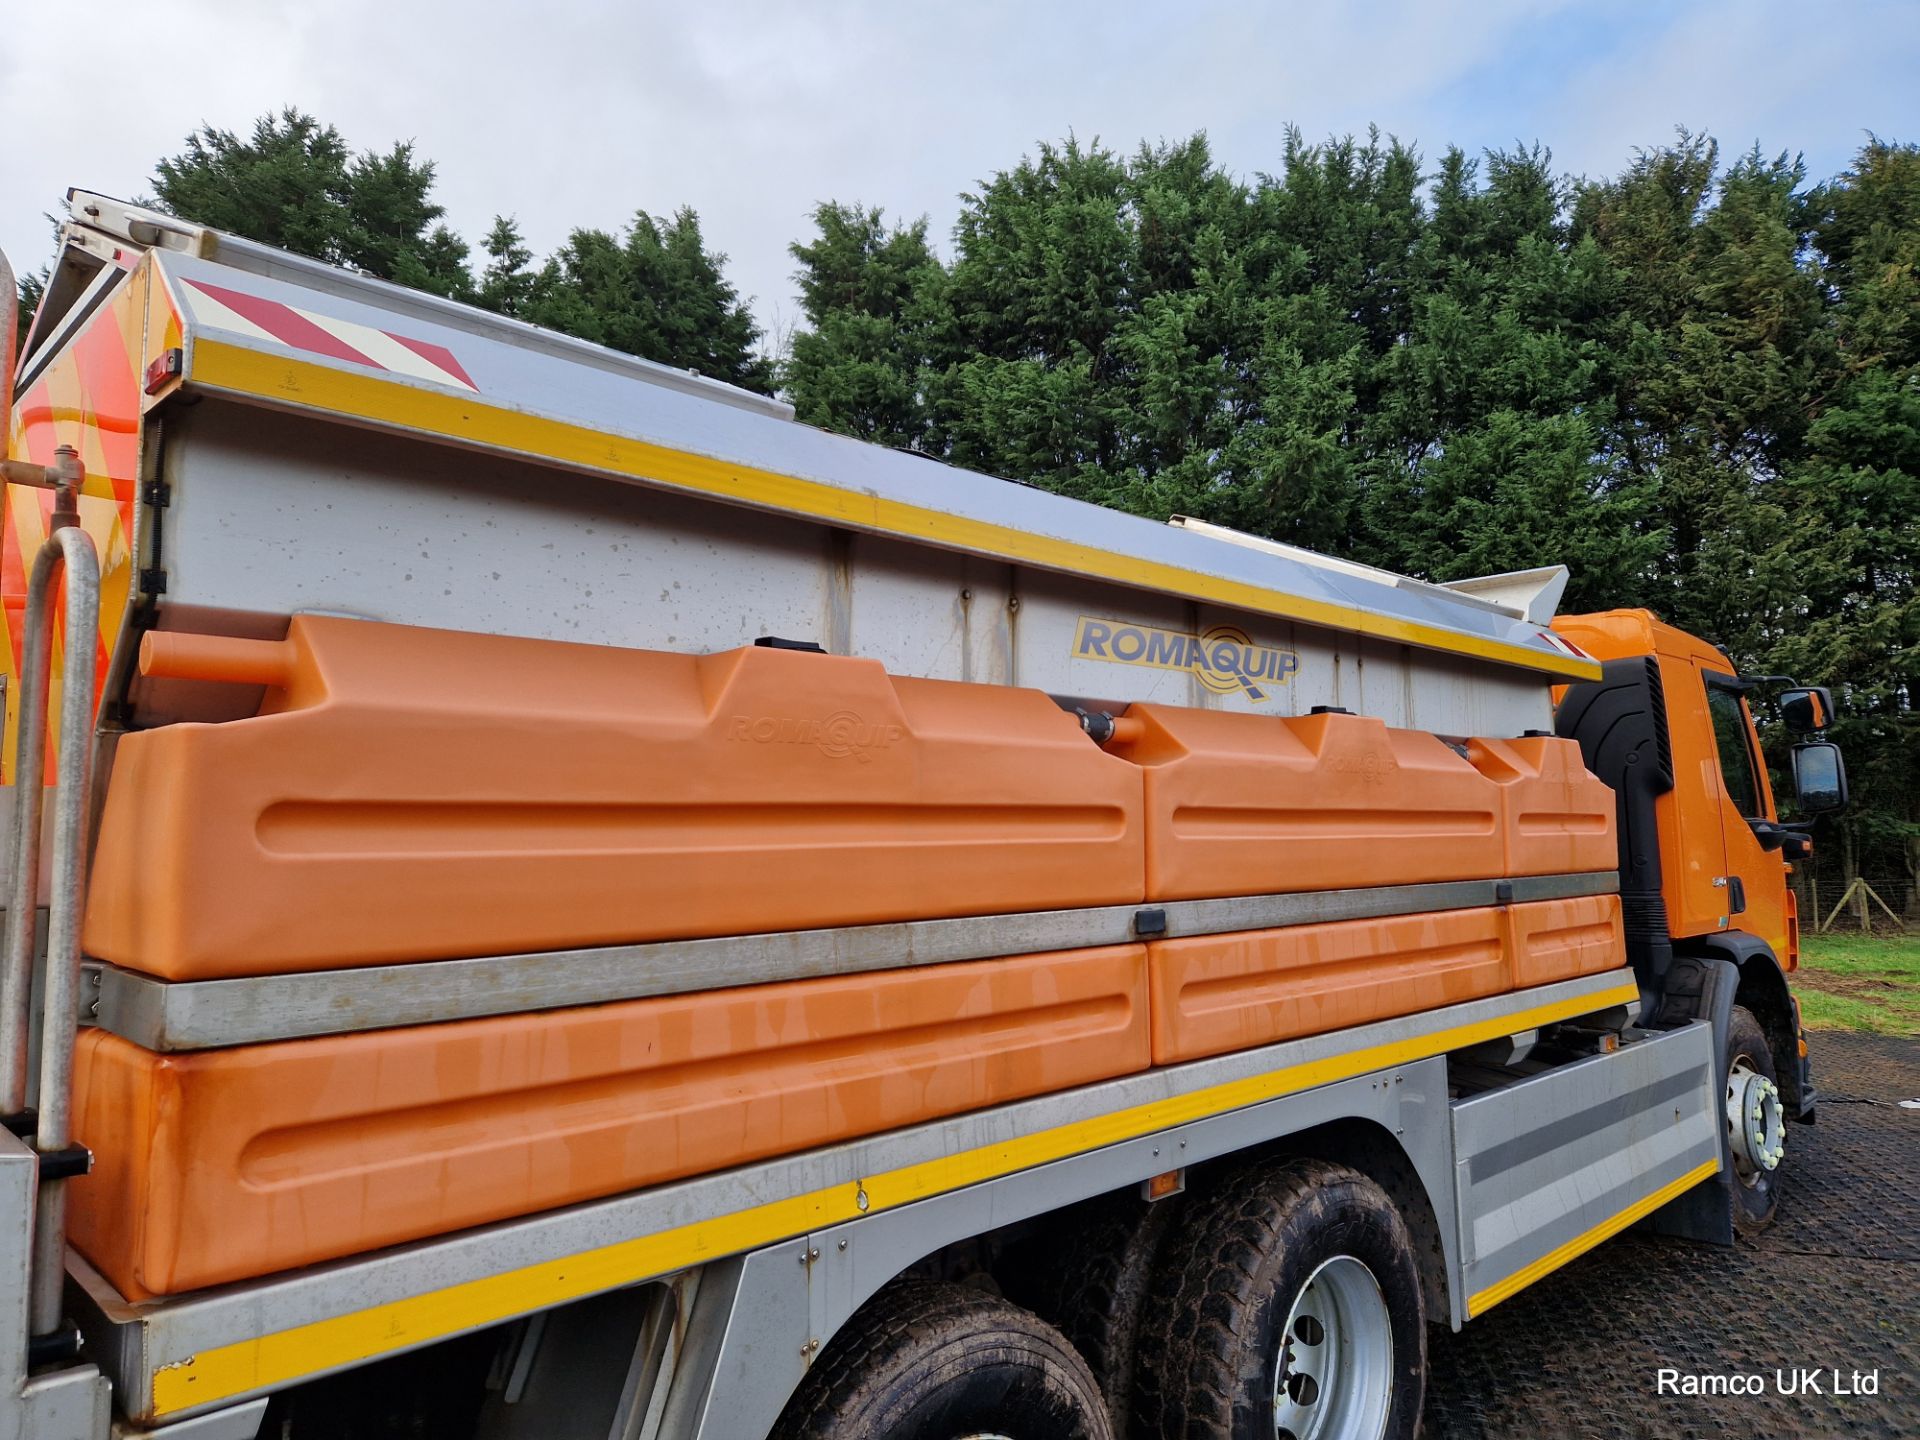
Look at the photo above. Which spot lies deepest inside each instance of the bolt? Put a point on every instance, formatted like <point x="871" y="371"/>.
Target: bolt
<point x="843" y="1245"/>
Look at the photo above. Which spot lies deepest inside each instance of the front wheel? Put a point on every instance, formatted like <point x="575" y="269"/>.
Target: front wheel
<point x="1756" y="1123"/>
<point x="1289" y="1308"/>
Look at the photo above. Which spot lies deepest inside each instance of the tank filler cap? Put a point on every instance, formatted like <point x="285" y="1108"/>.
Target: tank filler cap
<point x="1097" y="723"/>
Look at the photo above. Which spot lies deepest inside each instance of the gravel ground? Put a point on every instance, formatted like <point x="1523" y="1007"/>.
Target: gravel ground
<point x="1834" y="1284"/>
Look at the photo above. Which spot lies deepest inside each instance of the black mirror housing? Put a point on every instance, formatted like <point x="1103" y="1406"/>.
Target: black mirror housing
<point x="1819" y="777"/>
<point x="1806" y="709"/>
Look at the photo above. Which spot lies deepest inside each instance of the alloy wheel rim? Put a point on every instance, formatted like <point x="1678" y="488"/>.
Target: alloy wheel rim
<point x="1333" y="1377"/>
<point x="1756" y="1124"/>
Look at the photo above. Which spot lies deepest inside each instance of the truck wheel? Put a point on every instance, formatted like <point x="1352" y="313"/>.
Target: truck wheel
<point x="1756" y="1123"/>
<point x="1289" y="1309"/>
<point x="1093" y="1283"/>
<point x="942" y="1362"/>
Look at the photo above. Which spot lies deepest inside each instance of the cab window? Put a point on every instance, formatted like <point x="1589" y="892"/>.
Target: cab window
<point x="1736" y="754"/>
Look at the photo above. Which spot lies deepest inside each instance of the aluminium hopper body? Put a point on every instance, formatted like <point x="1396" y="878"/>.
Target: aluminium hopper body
<point x="329" y="443"/>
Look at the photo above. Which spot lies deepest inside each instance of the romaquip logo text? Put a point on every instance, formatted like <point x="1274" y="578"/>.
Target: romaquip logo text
<point x="1224" y="657"/>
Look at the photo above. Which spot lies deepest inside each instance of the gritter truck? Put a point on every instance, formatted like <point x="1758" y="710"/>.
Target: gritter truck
<point x="547" y="899"/>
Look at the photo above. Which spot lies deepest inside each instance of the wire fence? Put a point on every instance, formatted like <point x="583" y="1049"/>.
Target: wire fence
<point x="1833" y="902"/>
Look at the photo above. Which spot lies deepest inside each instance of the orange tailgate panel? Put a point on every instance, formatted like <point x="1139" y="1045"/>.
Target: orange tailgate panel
<point x="1252" y="804"/>
<point x="226" y="1164"/>
<point x="415" y="794"/>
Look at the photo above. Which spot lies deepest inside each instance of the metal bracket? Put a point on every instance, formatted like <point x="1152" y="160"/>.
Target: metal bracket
<point x="66" y="1163"/>
<point x="1150" y="922"/>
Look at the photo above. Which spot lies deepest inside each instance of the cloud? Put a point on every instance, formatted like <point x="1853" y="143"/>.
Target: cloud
<point x="572" y="113"/>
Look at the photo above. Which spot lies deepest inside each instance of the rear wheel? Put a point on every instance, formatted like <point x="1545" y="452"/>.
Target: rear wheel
<point x="1289" y="1308"/>
<point x="942" y="1362"/>
<point x="1093" y="1280"/>
<point x="1756" y="1123"/>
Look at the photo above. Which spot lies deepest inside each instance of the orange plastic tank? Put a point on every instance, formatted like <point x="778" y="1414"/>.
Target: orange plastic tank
<point x="1211" y="994"/>
<point x="1557" y="816"/>
<point x="409" y="794"/>
<point x="220" y="1165"/>
<point x="1561" y="939"/>
<point x="1216" y="993"/>
<point x="1250" y="804"/>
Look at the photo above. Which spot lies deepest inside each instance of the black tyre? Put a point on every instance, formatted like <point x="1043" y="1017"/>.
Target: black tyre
<point x="1757" y="1140"/>
<point x="939" y="1362"/>
<point x="1288" y="1305"/>
<point x="1094" y="1281"/>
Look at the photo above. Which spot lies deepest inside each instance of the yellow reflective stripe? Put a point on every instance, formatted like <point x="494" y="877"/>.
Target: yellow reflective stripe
<point x="463" y="418"/>
<point x="1486" y="1299"/>
<point x="269" y="1361"/>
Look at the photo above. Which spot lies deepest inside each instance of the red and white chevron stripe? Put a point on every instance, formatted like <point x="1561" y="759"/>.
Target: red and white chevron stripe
<point x="249" y="315"/>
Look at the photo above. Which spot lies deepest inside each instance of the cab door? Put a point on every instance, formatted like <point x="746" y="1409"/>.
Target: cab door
<point x="1755" y="887"/>
<point x="1693" y="842"/>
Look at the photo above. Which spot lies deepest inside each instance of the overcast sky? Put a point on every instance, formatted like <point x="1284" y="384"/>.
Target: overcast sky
<point x="567" y="112"/>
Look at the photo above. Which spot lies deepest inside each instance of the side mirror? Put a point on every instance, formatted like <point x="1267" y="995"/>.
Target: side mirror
<point x="1819" y="777"/>
<point x="1807" y="710"/>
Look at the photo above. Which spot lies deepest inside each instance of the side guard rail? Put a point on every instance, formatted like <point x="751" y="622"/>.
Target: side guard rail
<point x="67" y="555"/>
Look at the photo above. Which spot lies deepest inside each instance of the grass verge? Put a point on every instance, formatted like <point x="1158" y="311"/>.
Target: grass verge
<point x="1860" y="982"/>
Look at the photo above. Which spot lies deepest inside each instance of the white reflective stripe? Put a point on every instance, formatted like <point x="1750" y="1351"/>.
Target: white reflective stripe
<point x="218" y="316"/>
<point x="385" y="351"/>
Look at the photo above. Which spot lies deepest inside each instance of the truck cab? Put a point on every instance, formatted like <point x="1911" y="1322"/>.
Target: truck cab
<point x="1704" y="857"/>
